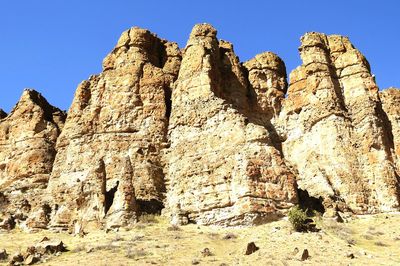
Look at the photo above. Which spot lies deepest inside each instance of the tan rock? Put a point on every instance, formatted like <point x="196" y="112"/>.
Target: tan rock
<point x="221" y="168"/>
<point x="335" y="131"/>
<point x="391" y="105"/>
<point x="27" y="139"/>
<point x="212" y="139"/>
<point x="267" y="76"/>
<point x="121" y="113"/>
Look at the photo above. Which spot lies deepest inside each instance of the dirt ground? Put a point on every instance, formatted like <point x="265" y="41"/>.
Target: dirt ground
<point x="364" y="240"/>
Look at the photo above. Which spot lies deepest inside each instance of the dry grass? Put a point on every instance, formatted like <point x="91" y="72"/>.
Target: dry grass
<point x="160" y="243"/>
<point x="149" y="218"/>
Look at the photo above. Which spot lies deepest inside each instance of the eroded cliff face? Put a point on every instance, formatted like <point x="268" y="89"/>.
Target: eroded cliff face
<point x="391" y="105"/>
<point x="115" y="130"/>
<point x="335" y="132"/>
<point x="221" y="166"/>
<point x="28" y="137"/>
<point x="203" y="138"/>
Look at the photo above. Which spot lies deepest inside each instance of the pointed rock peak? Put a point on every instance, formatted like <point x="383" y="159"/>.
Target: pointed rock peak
<point x="34" y="97"/>
<point x="2" y="114"/>
<point x="203" y="30"/>
<point x="31" y="98"/>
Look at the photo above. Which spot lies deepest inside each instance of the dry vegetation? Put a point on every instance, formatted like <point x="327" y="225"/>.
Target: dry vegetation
<point x="365" y="240"/>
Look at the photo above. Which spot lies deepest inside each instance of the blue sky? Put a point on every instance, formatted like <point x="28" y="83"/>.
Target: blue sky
<point x="52" y="46"/>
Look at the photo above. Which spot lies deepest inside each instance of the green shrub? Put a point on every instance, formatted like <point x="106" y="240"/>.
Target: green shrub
<point x="298" y="218"/>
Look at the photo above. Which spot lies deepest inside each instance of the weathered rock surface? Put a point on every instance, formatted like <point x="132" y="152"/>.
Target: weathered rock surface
<point x="118" y="116"/>
<point x="221" y="166"/>
<point x="335" y="132"/>
<point x="203" y="137"/>
<point x="391" y="105"/>
<point x="27" y="139"/>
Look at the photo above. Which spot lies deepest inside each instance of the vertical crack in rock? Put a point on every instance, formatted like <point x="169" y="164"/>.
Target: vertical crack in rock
<point x="221" y="167"/>
<point x="334" y="131"/>
<point x="121" y="112"/>
<point x="27" y="149"/>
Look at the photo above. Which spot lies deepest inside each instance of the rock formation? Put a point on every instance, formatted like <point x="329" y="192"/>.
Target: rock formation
<point x="119" y="115"/>
<point x="27" y="139"/>
<point x="203" y="138"/>
<point x="391" y="105"/>
<point x="221" y="166"/>
<point x="335" y="132"/>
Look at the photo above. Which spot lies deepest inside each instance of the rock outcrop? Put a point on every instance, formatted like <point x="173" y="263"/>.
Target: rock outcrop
<point x="391" y="105"/>
<point x="28" y="137"/>
<point x="118" y="116"/>
<point x="221" y="166"/>
<point x="335" y="132"/>
<point x="203" y="138"/>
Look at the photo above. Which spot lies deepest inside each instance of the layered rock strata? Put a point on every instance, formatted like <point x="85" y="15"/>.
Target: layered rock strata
<point x="221" y="166"/>
<point x="116" y="117"/>
<point x="203" y="137"/>
<point x="336" y="133"/>
<point x="28" y="137"/>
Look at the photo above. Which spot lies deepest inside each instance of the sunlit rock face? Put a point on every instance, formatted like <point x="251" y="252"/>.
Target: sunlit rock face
<point x="221" y="166"/>
<point x="391" y="105"/>
<point x="336" y="133"/>
<point x="115" y="131"/>
<point x="198" y="136"/>
<point x="28" y="137"/>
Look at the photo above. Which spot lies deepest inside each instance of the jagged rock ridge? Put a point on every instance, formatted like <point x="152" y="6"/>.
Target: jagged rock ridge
<point x="203" y="138"/>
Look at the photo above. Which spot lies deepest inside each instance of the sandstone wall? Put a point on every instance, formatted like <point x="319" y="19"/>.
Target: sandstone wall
<point x="391" y="105"/>
<point x="221" y="166"/>
<point x="336" y="133"/>
<point x="117" y="118"/>
<point x="203" y="138"/>
<point x="27" y="149"/>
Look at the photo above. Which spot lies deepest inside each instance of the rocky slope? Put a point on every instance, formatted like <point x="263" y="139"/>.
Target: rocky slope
<point x="203" y="138"/>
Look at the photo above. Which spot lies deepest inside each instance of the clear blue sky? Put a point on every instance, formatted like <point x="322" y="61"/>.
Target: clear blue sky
<point x="52" y="46"/>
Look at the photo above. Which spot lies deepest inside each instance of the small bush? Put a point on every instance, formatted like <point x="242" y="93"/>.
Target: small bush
<point x="298" y="218"/>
